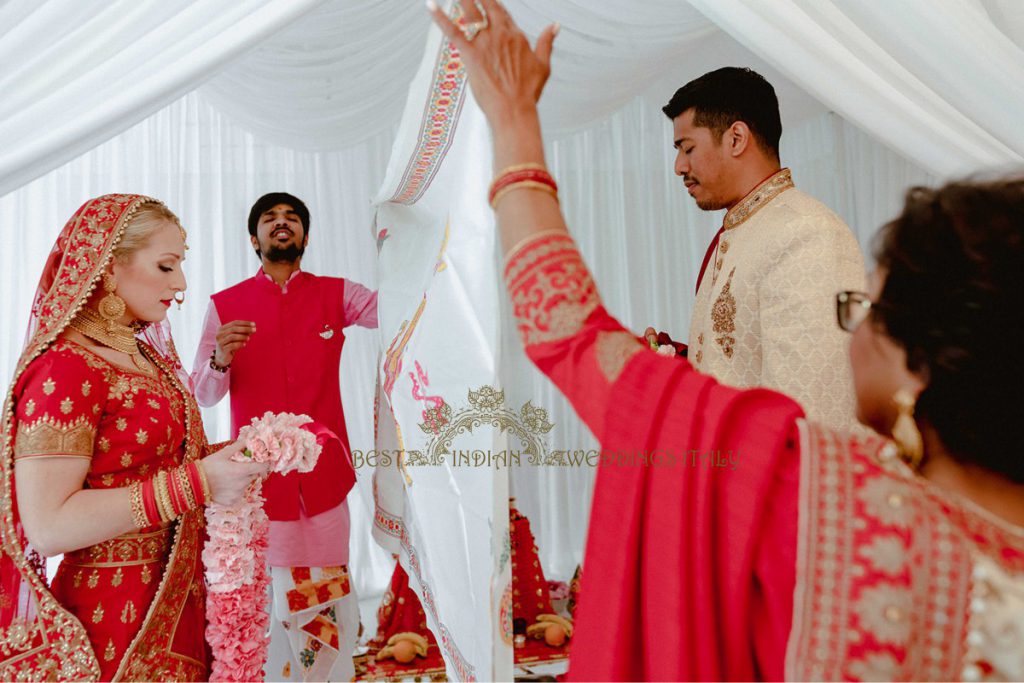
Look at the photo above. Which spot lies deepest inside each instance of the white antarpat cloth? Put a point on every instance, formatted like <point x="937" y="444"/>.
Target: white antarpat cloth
<point x="315" y="643"/>
<point x="439" y="324"/>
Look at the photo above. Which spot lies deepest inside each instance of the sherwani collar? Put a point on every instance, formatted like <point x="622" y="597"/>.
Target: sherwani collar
<point x="770" y="188"/>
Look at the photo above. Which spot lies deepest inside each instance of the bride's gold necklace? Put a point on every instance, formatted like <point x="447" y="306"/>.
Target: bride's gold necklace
<point x="111" y="334"/>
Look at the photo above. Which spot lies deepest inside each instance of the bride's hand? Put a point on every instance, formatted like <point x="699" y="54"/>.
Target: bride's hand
<point x="506" y="74"/>
<point x="228" y="478"/>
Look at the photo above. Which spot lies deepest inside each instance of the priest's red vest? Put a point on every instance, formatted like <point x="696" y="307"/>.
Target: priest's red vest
<point x="291" y="364"/>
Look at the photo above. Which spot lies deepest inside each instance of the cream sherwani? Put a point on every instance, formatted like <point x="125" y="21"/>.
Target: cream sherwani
<point x="765" y="310"/>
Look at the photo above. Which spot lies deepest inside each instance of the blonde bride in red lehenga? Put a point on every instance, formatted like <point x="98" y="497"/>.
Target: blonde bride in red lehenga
<point x="99" y="439"/>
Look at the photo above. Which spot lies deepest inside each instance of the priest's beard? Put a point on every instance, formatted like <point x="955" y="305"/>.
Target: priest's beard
<point x="288" y="254"/>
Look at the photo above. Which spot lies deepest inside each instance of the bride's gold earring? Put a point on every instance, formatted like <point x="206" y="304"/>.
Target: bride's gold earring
<point x="111" y="306"/>
<point x="905" y="432"/>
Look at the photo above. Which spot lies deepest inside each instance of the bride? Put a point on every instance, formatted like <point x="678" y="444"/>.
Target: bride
<point x="105" y="460"/>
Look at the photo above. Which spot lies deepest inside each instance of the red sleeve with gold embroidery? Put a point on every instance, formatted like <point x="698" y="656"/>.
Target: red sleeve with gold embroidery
<point x="58" y="403"/>
<point x="566" y="330"/>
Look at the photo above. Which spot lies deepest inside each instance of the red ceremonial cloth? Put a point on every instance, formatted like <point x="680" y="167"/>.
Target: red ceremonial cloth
<point x="684" y="554"/>
<point x="530" y="594"/>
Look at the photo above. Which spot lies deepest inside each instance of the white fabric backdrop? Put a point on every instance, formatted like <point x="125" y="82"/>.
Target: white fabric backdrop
<point x="332" y="79"/>
<point x="938" y="80"/>
<point x="935" y="79"/>
<point x="76" y="73"/>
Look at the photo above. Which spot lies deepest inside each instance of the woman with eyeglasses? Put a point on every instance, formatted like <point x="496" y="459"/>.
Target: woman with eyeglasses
<point x="753" y="544"/>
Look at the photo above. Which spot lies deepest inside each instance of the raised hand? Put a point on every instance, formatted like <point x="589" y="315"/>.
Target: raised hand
<point x="230" y="338"/>
<point x="505" y="73"/>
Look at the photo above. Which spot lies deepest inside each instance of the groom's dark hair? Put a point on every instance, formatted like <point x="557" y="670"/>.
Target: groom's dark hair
<point x="272" y="199"/>
<point x="722" y="97"/>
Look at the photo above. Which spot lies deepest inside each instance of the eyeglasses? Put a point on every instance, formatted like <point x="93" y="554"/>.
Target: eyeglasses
<point x="852" y="308"/>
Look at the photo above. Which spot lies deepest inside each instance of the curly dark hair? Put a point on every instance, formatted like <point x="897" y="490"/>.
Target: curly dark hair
<point x="954" y="299"/>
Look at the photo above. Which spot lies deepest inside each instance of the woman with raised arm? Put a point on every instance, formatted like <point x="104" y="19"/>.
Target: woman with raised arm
<point x="105" y="460"/>
<point x="819" y="555"/>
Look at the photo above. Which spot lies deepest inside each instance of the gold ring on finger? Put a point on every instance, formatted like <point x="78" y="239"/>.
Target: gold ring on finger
<point x="471" y="29"/>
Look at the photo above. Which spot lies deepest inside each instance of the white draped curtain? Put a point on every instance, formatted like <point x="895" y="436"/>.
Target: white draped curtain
<point x="941" y="81"/>
<point x="935" y="79"/>
<point x="207" y="104"/>
<point x="76" y="73"/>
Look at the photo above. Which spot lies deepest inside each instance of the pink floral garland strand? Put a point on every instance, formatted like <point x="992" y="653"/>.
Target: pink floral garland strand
<point x="235" y="555"/>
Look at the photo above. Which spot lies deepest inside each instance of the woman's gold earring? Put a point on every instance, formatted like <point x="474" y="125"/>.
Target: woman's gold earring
<point x="181" y="300"/>
<point x="905" y="432"/>
<point x="111" y="307"/>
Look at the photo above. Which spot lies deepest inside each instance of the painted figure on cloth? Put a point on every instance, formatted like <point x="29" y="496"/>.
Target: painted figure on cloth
<point x="105" y="460"/>
<point x="274" y="341"/>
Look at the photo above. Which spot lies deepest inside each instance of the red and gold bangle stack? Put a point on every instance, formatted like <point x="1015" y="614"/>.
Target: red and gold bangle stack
<point x="163" y="496"/>
<point x="139" y="516"/>
<point x="530" y="176"/>
<point x="149" y="501"/>
<point x="195" y="482"/>
<point x="201" y="473"/>
<point x="168" y="495"/>
<point x="179" y="499"/>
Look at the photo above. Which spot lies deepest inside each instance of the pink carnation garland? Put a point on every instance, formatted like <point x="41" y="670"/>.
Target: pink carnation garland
<point x="235" y="554"/>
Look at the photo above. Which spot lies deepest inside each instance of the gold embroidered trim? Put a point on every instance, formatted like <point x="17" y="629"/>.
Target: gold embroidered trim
<point x="124" y="551"/>
<point x="757" y="198"/>
<point x="614" y="350"/>
<point x="533" y="237"/>
<point x="723" y="316"/>
<point x="129" y="613"/>
<point x="996" y="624"/>
<point x="124" y="384"/>
<point x="882" y="576"/>
<point x="50" y="437"/>
<point x="145" y="657"/>
<point x="551" y="289"/>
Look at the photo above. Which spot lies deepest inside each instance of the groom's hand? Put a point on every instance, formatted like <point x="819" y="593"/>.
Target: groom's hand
<point x="231" y="337"/>
<point x="657" y="339"/>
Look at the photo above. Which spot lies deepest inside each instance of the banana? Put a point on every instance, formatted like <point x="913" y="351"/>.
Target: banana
<point x="536" y="630"/>
<point x="556" y="619"/>
<point x="417" y="640"/>
<point x="385" y="653"/>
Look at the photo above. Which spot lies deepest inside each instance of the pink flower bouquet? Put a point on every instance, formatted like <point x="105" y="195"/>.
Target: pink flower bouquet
<point x="235" y="554"/>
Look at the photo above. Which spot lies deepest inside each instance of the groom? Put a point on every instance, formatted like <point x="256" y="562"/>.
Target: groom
<point x="764" y="313"/>
<point x="274" y="342"/>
